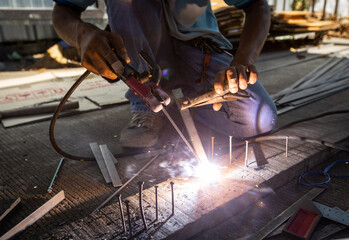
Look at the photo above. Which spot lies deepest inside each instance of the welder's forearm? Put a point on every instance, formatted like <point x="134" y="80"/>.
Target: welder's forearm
<point x="68" y="24"/>
<point x="256" y="28"/>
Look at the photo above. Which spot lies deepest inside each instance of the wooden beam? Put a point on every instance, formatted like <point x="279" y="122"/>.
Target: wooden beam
<point x="32" y="218"/>
<point x="190" y="126"/>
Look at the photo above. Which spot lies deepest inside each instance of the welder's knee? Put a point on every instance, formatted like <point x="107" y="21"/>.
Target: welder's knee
<point x="266" y="116"/>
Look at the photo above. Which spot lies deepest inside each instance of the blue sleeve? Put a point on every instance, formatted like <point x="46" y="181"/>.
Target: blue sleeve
<point x="239" y="3"/>
<point x="79" y="5"/>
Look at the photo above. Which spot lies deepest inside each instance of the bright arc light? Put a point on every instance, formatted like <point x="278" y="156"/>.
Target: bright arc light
<point x="208" y="173"/>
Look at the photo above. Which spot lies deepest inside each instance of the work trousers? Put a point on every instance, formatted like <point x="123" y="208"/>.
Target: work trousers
<point x="143" y="27"/>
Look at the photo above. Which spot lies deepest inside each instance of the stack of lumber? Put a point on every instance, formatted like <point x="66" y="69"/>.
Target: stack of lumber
<point x="299" y="22"/>
<point x="230" y="21"/>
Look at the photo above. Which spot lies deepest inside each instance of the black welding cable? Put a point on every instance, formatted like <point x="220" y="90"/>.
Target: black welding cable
<point x="56" y="114"/>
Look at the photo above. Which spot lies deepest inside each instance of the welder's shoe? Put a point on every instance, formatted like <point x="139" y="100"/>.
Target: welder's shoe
<point x="142" y="131"/>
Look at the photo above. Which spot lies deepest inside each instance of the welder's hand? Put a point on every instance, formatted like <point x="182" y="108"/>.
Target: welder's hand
<point x="234" y="77"/>
<point x="97" y="52"/>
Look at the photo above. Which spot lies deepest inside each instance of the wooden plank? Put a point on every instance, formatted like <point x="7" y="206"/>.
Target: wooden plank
<point x="190" y="126"/>
<point x="100" y="161"/>
<point x="32" y="218"/>
<point x="108" y="159"/>
<point x="11" y="208"/>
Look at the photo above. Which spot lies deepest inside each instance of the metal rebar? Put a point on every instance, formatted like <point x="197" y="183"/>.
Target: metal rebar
<point x="156" y="204"/>
<point x="49" y="190"/>
<point x="127" y="202"/>
<point x="140" y="184"/>
<point x="172" y="192"/>
<point x="125" y="184"/>
<point x="122" y="214"/>
<point x="286" y="146"/>
<point x="212" y="151"/>
<point x="246" y="154"/>
<point x="230" y="149"/>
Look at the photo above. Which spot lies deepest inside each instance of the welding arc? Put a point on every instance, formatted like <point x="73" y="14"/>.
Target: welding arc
<point x="180" y="133"/>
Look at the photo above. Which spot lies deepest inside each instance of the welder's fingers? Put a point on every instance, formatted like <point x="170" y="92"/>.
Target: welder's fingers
<point x="118" y="46"/>
<point x="253" y="74"/>
<point x="96" y="64"/>
<point x="231" y="76"/>
<point x="219" y="82"/>
<point x="217" y="106"/>
<point x="242" y="76"/>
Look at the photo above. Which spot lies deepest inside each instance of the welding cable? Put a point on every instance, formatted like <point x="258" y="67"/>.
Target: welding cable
<point x="55" y="117"/>
<point x="304" y="181"/>
<point x="311" y="118"/>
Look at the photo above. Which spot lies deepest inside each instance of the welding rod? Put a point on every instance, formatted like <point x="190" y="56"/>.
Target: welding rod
<point x="172" y="193"/>
<point x="230" y="149"/>
<point x="127" y="202"/>
<point x="212" y="152"/>
<point x="122" y="214"/>
<point x="286" y="146"/>
<point x="141" y="204"/>
<point x="125" y="184"/>
<point x="180" y="134"/>
<point x="246" y="154"/>
<point x="156" y="203"/>
<point x="49" y="190"/>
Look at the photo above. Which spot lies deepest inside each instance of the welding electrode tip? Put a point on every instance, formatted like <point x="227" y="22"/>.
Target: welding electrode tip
<point x="141" y="204"/>
<point x="172" y="193"/>
<point x="127" y="202"/>
<point x="122" y="213"/>
<point x="156" y="203"/>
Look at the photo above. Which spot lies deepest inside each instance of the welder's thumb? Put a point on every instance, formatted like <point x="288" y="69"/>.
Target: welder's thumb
<point x="217" y="106"/>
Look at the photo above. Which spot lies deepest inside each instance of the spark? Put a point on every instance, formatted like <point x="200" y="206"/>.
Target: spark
<point x="208" y="173"/>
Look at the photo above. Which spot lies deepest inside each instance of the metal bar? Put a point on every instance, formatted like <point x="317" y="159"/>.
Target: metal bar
<point x="246" y="154"/>
<point x="125" y="184"/>
<point x="156" y="203"/>
<point x="122" y="214"/>
<point x="100" y="161"/>
<point x="113" y="173"/>
<point x="286" y="146"/>
<point x="230" y="149"/>
<point x="49" y="190"/>
<point x="212" y="151"/>
<point x="190" y="126"/>
<point x="127" y="203"/>
<point x="141" y="204"/>
<point x="172" y="194"/>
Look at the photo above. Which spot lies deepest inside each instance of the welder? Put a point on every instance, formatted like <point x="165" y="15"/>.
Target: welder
<point x="182" y="36"/>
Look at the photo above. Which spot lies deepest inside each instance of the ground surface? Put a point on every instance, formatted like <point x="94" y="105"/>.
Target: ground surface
<point x="28" y="162"/>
